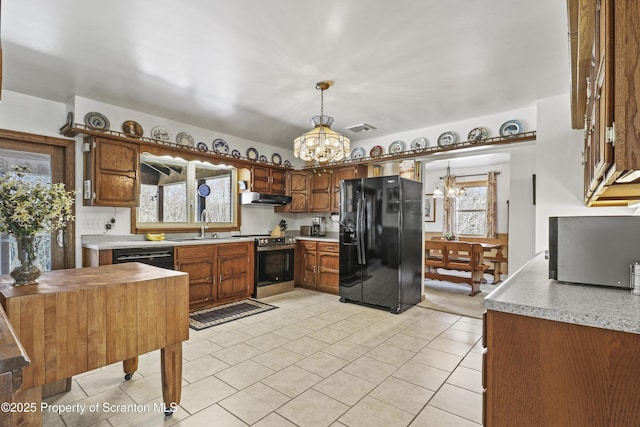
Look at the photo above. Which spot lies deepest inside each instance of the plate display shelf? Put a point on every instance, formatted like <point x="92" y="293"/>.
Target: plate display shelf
<point x="71" y="130"/>
<point x="422" y="152"/>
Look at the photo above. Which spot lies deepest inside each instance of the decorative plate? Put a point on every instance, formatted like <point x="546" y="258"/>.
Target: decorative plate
<point x="263" y="159"/>
<point x="376" y="151"/>
<point x="69" y="122"/>
<point x="447" y="138"/>
<point x="510" y="128"/>
<point x="276" y="159"/>
<point x="287" y="163"/>
<point x="358" y="153"/>
<point x="204" y="190"/>
<point x="183" y="138"/>
<point x="220" y="146"/>
<point x="396" y="147"/>
<point x="477" y="135"/>
<point x="202" y="146"/>
<point x="160" y="133"/>
<point x="96" y="121"/>
<point x="419" y="143"/>
<point x="132" y="129"/>
<point x="252" y="154"/>
<point x="235" y="154"/>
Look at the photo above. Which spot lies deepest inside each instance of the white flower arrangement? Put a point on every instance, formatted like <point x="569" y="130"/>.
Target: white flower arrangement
<point x="28" y="206"/>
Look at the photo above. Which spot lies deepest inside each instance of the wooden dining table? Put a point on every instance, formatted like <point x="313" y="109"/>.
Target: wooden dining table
<point x="77" y="320"/>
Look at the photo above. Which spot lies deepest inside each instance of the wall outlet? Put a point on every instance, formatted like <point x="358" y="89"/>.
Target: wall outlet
<point x="92" y="223"/>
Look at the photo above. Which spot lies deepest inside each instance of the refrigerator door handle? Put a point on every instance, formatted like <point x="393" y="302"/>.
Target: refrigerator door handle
<point x="358" y="229"/>
<point x="363" y="257"/>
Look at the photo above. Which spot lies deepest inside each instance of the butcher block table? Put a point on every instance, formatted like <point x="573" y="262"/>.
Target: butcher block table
<point x="77" y="320"/>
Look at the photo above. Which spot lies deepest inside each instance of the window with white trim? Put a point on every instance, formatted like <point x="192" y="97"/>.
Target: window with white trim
<point x="471" y="209"/>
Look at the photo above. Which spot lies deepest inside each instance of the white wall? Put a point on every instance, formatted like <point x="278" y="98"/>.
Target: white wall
<point x="522" y="211"/>
<point x="24" y="113"/>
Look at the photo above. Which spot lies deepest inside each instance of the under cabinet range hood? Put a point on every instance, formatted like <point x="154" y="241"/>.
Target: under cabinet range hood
<point x="252" y="198"/>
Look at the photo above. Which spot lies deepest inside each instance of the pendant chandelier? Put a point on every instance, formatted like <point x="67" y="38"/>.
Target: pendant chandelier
<point x="450" y="188"/>
<point x="321" y="144"/>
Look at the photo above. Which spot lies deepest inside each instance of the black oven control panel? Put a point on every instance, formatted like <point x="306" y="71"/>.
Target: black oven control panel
<point x="270" y="242"/>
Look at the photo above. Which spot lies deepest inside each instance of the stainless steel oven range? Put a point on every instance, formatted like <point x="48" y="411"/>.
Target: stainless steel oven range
<point x="274" y="265"/>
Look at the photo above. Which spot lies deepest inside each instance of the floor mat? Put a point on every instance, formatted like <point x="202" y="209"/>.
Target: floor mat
<point x="209" y="317"/>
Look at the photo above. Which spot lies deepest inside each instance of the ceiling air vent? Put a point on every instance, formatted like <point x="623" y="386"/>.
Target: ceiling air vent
<point x="364" y="127"/>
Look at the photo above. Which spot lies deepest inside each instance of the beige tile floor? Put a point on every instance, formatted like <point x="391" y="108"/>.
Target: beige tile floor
<point x="312" y="362"/>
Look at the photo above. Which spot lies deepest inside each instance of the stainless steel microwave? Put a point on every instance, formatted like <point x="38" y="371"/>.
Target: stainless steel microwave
<point x="594" y="250"/>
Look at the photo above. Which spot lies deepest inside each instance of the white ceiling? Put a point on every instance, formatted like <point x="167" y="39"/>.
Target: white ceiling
<point x="248" y="67"/>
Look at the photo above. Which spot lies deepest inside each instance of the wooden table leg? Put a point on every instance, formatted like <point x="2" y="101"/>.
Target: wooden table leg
<point x="171" y="360"/>
<point x="130" y="366"/>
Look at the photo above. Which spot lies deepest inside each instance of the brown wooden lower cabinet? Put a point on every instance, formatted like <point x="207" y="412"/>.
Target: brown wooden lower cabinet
<point x="539" y="372"/>
<point x="218" y="273"/>
<point x="320" y="266"/>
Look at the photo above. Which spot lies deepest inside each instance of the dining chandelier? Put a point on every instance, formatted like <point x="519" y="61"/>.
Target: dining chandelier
<point x="451" y="190"/>
<point x="321" y="144"/>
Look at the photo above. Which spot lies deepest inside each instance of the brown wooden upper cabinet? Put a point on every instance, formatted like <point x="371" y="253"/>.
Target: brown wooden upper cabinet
<point x="605" y="97"/>
<point x="298" y="188"/>
<point x="325" y="186"/>
<point x="267" y="180"/>
<point x="111" y="172"/>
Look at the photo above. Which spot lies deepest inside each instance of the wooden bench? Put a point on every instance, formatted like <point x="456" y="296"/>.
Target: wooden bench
<point x="495" y="253"/>
<point x="455" y="256"/>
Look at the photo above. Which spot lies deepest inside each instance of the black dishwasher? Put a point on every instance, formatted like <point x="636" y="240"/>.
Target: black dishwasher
<point x="159" y="257"/>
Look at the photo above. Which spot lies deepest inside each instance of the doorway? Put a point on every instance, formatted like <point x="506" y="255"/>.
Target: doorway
<point x="53" y="160"/>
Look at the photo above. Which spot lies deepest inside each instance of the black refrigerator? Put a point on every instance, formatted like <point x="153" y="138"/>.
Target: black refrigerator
<point x="381" y="242"/>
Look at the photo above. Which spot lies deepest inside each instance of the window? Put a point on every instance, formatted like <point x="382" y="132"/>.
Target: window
<point x="471" y="209"/>
<point x="182" y="194"/>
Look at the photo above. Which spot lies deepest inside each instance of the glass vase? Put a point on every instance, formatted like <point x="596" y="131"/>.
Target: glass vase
<point x="24" y="265"/>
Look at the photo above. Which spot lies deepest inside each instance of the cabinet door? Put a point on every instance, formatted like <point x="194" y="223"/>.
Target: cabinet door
<point x="235" y="279"/>
<point x="299" y="188"/>
<point x="199" y="262"/>
<point x="260" y="178"/>
<point x="112" y="167"/>
<point x="601" y="101"/>
<point x="328" y="267"/>
<point x="278" y="181"/>
<point x="321" y="192"/>
<point x="309" y="262"/>
<point x="339" y="175"/>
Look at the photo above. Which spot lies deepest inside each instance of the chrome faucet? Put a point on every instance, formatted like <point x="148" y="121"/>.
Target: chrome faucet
<point x="203" y="223"/>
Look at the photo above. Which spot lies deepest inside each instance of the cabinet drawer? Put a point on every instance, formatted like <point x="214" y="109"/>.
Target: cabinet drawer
<point x="327" y="246"/>
<point x="311" y="246"/>
<point x="233" y="249"/>
<point x="199" y="251"/>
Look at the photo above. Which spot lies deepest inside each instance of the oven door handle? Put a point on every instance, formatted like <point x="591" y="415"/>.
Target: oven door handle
<point x="274" y="248"/>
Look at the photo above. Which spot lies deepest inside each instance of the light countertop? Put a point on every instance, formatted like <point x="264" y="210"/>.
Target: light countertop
<point x="329" y="237"/>
<point x="529" y="292"/>
<point x="124" y="242"/>
<point x="106" y="242"/>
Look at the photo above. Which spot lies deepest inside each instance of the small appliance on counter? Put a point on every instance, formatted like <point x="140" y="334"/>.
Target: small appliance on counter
<point x="594" y="250"/>
<point x="305" y="230"/>
<point x="318" y="226"/>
